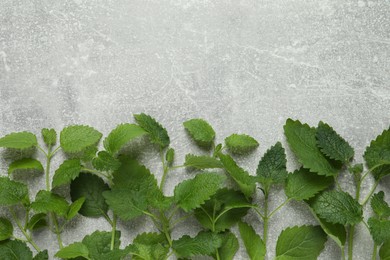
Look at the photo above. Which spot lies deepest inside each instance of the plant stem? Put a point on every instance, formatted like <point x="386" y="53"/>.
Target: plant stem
<point x="217" y="255"/>
<point x="113" y="232"/>
<point x="47" y="170"/>
<point x="350" y="242"/>
<point x="57" y="230"/>
<point x="278" y="208"/>
<point x="370" y="194"/>
<point x="374" y="251"/>
<point x="265" y="219"/>
<point x="342" y="253"/>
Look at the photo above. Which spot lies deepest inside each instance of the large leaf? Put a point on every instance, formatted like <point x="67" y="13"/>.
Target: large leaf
<point x="20" y="140"/>
<point x="202" y="162"/>
<point x="190" y="194"/>
<point x="15" y="250"/>
<point x="74" y="250"/>
<point x="98" y="244"/>
<point x="304" y="243"/>
<point x="6" y="229"/>
<point x="241" y="177"/>
<point x="303" y="185"/>
<point x="272" y="166"/>
<point x="338" y="207"/>
<point x="302" y="141"/>
<point x="120" y="136"/>
<point x="76" y="138"/>
<point x="158" y="134"/>
<point x="229" y="246"/>
<point x="379" y="229"/>
<point x="332" y="144"/>
<point x="200" y="131"/>
<point x="377" y="155"/>
<point x="254" y="245"/>
<point x="240" y="143"/>
<point x="379" y="205"/>
<point x="384" y="251"/>
<point x="105" y="162"/>
<point x="12" y="192"/>
<point x="67" y="172"/>
<point x="153" y="246"/>
<point x="25" y="164"/>
<point x="45" y="202"/>
<point x="90" y="187"/>
<point x="205" y="243"/>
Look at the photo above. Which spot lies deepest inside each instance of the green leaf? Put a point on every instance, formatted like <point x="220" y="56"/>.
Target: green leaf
<point x="6" y="229"/>
<point x="226" y="208"/>
<point x="338" y="207"/>
<point x="76" y="138"/>
<point x="304" y="243"/>
<point x="302" y="141"/>
<point x="90" y="187"/>
<point x="229" y="246"/>
<point x="253" y="243"/>
<point x="74" y="208"/>
<point x="272" y="167"/>
<point x="43" y="255"/>
<point x="303" y="185"/>
<point x="202" y="162"/>
<point x="49" y="136"/>
<point x="20" y="140"/>
<point x="15" y="250"/>
<point x="170" y="156"/>
<point x="120" y="136"/>
<point x="12" y="192"/>
<point x="45" y="202"/>
<point x="200" y="131"/>
<point x="240" y="176"/>
<point x="74" y="250"/>
<point x="105" y="162"/>
<point x="377" y="155"/>
<point x="37" y="221"/>
<point x="241" y="143"/>
<point x="204" y="243"/>
<point x="149" y="246"/>
<point x="68" y="171"/>
<point x="379" y="229"/>
<point x="380" y="206"/>
<point x="25" y="164"/>
<point x="384" y="251"/>
<point x="190" y="194"/>
<point x="332" y="144"/>
<point x="98" y="244"/>
<point x="158" y="134"/>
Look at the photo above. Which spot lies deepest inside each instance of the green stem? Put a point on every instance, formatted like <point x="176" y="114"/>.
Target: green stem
<point x="113" y="232"/>
<point x="370" y="194"/>
<point x="26" y="235"/>
<point x="342" y="253"/>
<point x="47" y="170"/>
<point x="374" y="251"/>
<point x="164" y="177"/>
<point x="217" y="255"/>
<point x="278" y="208"/>
<point x="350" y="242"/>
<point x="57" y="230"/>
<point x="97" y="173"/>
<point x="265" y="219"/>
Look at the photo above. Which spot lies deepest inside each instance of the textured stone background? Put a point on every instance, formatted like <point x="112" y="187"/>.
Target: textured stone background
<point x="244" y="65"/>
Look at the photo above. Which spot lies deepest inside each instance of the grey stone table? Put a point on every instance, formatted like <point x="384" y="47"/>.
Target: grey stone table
<point x="245" y="66"/>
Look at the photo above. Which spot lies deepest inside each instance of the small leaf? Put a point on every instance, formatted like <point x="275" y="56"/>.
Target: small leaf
<point x="20" y="140"/>
<point x="303" y="185"/>
<point x="202" y="162"/>
<point x="12" y="192"/>
<point x="229" y="246"/>
<point x="43" y="255"/>
<point x="105" y="162"/>
<point x="25" y="164"/>
<point x="170" y="156"/>
<point x="272" y="167"/>
<point x="190" y="194"/>
<point x="15" y="250"/>
<point x="74" y="208"/>
<point x="68" y="171"/>
<point x="200" y="131"/>
<point x="304" y="242"/>
<point x="90" y="187"/>
<point x="158" y="134"/>
<point x="241" y="177"/>
<point x="149" y="246"/>
<point x="76" y="138"/>
<point x="380" y="206"/>
<point x="302" y="141"/>
<point x="205" y="243"/>
<point x="98" y="243"/>
<point x="74" y="250"/>
<point x="6" y="229"/>
<point x="253" y="243"/>
<point x="377" y="155"/>
<point x="49" y="136"/>
<point x="37" y="221"/>
<point x="338" y="207"/>
<point x="384" y="251"/>
<point x="241" y="143"/>
<point x="45" y="202"/>
<point x="120" y="136"/>
<point x="332" y="144"/>
<point x="379" y="229"/>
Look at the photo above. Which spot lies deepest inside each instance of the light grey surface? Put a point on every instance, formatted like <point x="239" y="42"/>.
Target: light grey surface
<point x="245" y="66"/>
